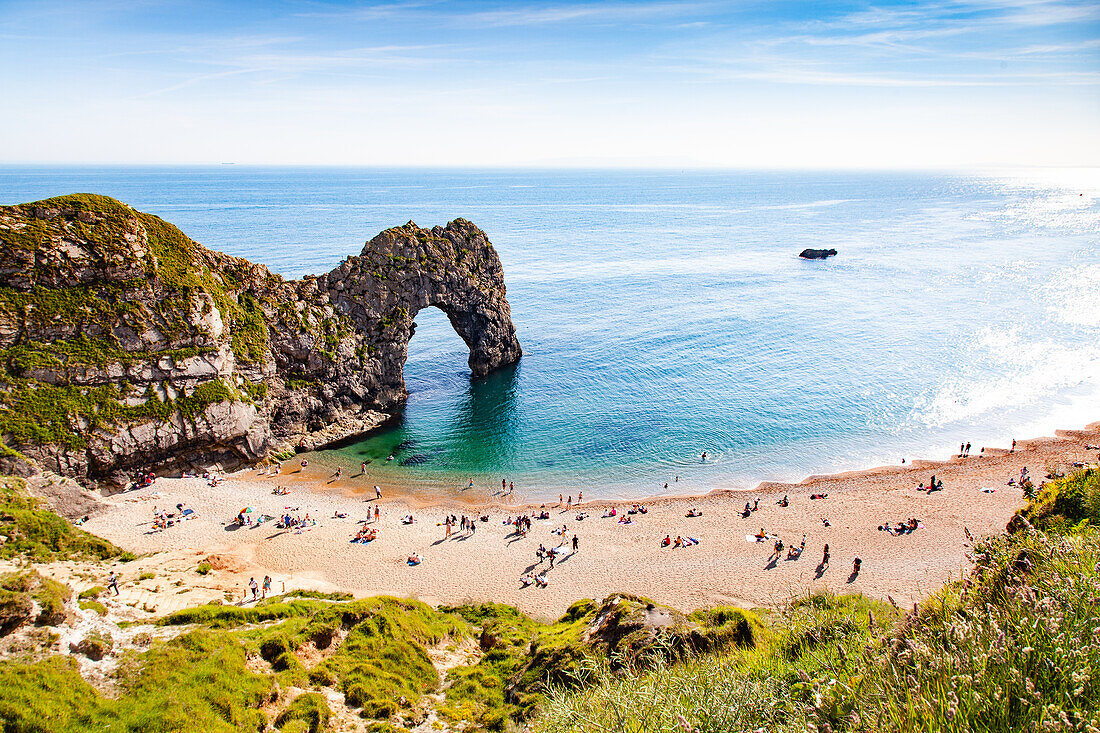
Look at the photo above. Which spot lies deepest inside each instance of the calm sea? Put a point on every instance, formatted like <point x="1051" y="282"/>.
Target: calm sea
<point x="663" y="314"/>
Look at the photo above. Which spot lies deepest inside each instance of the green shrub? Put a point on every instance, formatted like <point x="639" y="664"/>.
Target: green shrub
<point x="92" y="593"/>
<point x="204" y="568"/>
<point x="309" y="709"/>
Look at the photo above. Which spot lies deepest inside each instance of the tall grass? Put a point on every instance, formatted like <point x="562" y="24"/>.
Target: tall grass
<point x="1015" y="646"/>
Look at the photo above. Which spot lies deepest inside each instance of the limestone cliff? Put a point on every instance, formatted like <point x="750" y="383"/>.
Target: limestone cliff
<point x="125" y="345"/>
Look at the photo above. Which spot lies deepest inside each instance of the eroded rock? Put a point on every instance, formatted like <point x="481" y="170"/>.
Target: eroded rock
<point x="128" y="346"/>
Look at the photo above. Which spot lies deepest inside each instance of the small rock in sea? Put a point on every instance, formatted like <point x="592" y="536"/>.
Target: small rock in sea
<point x="817" y="254"/>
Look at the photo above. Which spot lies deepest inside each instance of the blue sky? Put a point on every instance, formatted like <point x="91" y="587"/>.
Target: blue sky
<point x="967" y="83"/>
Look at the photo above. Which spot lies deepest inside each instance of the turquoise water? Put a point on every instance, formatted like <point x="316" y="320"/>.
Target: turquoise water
<point x="666" y="313"/>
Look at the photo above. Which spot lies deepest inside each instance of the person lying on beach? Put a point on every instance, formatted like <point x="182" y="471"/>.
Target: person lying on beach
<point x="526" y="580"/>
<point x="339" y="515"/>
<point x="414" y="559"/>
<point x="540" y="580"/>
<point x="280" y="491"/>
<point x="366" y="534"/>
<point x="407" y="519"/>
<point x="819" y="496"/>
<point x="825" y="522"/>
<point x="625" y="520"/>
<point x="694" y="513"/>
<point x="581" y="516"/>
<point x="761" y="535"/>
<point x="689" y="541"/>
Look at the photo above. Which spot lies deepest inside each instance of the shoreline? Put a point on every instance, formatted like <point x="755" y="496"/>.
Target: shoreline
<point x="443" y="499"/>
<point x="727" y="566"/>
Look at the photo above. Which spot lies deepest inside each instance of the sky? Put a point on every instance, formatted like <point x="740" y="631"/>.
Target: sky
<point x="601" y="83"/>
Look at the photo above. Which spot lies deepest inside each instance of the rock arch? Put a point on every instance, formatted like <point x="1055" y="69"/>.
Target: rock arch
<point x="406" y="269"/>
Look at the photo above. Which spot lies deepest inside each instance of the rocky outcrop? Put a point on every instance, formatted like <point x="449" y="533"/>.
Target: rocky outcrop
<point x="817" y="254"/>
<point x="125" y="345"/>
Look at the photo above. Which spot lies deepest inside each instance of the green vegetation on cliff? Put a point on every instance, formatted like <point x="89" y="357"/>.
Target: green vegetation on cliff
<point x="32" y="531"/>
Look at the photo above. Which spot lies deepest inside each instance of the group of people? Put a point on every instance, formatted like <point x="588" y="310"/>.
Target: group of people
<point x="164" y="518"/>
<point x="257" y="589"/>
<point x="901" y="527"/>
<point x="296" y="523"/>
<point x="933" y="485"/>
<point x="365" y="534"/>
<point x="466" y="524"/>
<point x="678" y="542"/>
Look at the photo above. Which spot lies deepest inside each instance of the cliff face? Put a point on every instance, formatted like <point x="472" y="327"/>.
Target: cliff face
<point x="125" y="345"/>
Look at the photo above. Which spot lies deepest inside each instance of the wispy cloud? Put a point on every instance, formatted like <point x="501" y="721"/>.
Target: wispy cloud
<point x="615" y="12"/>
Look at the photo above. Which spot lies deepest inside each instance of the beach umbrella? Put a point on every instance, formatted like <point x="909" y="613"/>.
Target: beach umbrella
<point x="246" y="510"/>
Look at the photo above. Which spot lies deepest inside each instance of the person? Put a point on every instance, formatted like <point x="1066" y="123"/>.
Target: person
<point x="414" y="559"/>
<point x="376" y="512"/>
<point x="666" y="484"/>
<point x="825" y="556"/>
<point x="703" y="457"/>
<point x="968" y="448"/>
<point x="784" y="501"/>
<point x="389" y="457"/>
<point x="267" y="585"/>
<point x="253" y="587"/>
<point x="377" y="492"/>
<point x="112" y="582"/>
<point x="304" y="463"/>
<point x="540" y="553"/>
<point x="569" y="501"/>
<point x="666" y="541"/>
<point x="855" y="566"/>
<point x="576" y="543"/>
<point x="962" y="449"/>
<point x="755" y="504"/>
<point x="362" y="468"/>
<point x="339" y="470"/>
<point x="561" y="499"/>
<point x="540" y="580"/>
<point x="1013" y="449"/>
<point x="580" y="497"/>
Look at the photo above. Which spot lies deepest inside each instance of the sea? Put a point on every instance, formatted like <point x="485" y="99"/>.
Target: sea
<point x="666" y="313"/>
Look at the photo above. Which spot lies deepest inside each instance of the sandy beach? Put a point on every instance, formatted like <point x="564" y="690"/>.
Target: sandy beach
<point x="723" y="568"/>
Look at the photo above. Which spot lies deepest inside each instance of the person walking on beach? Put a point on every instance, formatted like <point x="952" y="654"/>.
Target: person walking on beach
<point x="362" y="468"/>
<point x="112" y="582"/>
<point x="576" y="543"/>
<point x="253" y="587"/>
<point x="1013" y="446"/>
<point x="825" y="557"/>
<point x="266" y="586"/>
<point x="377" y="492"/>
<point x="968" y="449"/>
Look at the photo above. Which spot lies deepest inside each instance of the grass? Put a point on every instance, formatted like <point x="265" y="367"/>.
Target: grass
<point x="308" y="713"/>
<point x="1012" y="647"/>
<point x="34" y="532"/>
